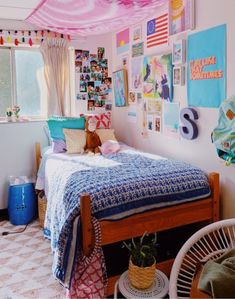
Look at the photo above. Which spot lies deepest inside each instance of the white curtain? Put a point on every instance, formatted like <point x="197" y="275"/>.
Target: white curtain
<point x="56" y="60"/>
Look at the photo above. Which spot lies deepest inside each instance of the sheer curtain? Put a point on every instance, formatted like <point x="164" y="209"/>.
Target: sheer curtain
<point x="56" y="59"/>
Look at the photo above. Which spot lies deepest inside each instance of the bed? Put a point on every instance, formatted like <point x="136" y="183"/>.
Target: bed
<point x="135" y="221"/>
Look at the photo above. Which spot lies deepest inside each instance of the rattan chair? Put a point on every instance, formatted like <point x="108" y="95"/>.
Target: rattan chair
<point x="210" y="242"/>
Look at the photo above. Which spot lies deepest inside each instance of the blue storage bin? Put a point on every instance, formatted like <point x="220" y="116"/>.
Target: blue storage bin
<point x="22" y="203"/>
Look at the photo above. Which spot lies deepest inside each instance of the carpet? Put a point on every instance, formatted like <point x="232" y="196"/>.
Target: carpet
<point x="25" y="264"/>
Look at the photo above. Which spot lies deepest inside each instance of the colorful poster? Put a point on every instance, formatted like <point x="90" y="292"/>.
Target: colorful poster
<point x="171" y="119"/>
<point x="181" y="15"/>
<point x="136" y="74"/>
<point x="137" y="49"/>
<point x="158" y="30"/>
<point x="120" y="88"/>
<point x="206" y="73"/>
<point x="157" y="77"/>
<point x="122" y="41"/>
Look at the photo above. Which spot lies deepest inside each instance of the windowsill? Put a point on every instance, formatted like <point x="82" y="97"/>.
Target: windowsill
<point x="20" y="121"/>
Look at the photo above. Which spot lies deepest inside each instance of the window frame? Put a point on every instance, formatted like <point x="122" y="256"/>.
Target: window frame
<point x="13" y="101"/>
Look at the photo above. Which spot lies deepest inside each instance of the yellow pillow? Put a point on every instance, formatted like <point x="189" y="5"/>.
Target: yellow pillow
<point x="106" y="134"/>
<point x="75" y="140"/>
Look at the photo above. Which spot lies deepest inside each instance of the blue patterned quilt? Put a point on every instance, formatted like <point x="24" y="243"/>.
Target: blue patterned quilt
<point x="119" y="185"/>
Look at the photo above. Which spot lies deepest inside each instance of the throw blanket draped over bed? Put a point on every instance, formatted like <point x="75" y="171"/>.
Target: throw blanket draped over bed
<point x="119" y="185"/>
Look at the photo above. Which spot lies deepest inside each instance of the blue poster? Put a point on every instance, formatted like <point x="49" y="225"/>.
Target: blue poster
<point x="206" y="73"/>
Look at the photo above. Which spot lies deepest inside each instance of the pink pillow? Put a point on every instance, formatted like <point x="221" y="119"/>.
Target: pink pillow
<point x="109" y="147"/>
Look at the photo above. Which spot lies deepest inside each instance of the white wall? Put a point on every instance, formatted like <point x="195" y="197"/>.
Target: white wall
<point x="200" y="152"/>
<point x="17" y="152"/>
<point x="17" y="149"/>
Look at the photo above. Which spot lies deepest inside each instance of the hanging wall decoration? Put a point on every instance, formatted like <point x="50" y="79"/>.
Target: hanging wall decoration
<point x="24" y="37"/>
<point x="92" y="81"/>
<point x="178" y="52"/>
<point x="120" y="88"/>
<point x="171" y="119"/>
<point x="206" y="73"/>
<point x="178" y="75"/>
<point x="181" y="15"/>
<point x="136" y="34"/>
<point x="158" y="30"/>
<point x="137" y="49"/>
<point x="136" y="75"/>
<point x="122" y="41"/>
<point x="157" y="77"/>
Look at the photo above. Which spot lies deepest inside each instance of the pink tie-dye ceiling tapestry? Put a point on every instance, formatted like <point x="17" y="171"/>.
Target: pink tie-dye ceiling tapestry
<point x="91" y="17"/>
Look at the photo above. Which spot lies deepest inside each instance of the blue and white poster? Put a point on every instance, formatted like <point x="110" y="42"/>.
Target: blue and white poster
<point x="206" y="74"/>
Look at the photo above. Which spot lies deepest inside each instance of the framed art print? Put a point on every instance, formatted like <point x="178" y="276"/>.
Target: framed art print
<point x="137" y="34"/>
<point x="120" y="87"/>
<point x="178" y="75"/>
<point x="178" y="52"/>
<point x="181" y="16"/>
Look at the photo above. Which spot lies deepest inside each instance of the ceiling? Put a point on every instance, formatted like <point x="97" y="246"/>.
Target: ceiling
<point x="80" y="18"/>
<point x="14" y="12"/>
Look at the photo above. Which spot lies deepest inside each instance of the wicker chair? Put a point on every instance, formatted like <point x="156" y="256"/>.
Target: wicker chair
<point x="210" y="242"/>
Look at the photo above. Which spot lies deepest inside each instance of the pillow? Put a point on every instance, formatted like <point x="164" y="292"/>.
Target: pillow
<point x="57" y="124"/>
<point x="75" y="140"/>
<point x="109" y="147"/>
<point x="103" y="120"/>
<point x="58" y="146"/>
<point x="106" y="134"/>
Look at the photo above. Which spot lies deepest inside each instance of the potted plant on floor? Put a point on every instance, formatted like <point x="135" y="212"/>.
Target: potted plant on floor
<point x="142" y="263"/>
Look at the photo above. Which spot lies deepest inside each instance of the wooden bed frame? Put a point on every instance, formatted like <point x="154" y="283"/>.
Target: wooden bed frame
<point x="153" y="221"/>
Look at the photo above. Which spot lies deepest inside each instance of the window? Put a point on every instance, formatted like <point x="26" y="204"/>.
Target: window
<point x="22" y="81"/>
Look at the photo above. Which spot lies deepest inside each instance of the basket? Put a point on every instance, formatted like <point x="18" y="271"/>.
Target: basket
<point x="42" y="206"/>
<point x="141" y="277"/>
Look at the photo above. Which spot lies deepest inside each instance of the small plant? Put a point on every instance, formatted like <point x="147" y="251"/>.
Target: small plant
<point x="9" y="112"/>
<point x="143" y="252"/>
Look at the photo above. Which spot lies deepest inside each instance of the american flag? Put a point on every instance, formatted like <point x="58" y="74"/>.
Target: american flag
<point x="158" y="31"/>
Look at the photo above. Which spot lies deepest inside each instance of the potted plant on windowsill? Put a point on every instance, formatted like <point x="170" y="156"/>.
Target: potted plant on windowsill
<point x="142" y="263"/>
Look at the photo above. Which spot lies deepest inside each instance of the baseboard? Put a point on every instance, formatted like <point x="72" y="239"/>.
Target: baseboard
<point x="3" y="215"/>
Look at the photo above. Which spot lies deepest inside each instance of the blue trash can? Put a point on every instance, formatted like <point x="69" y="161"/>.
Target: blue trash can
<point x="22" y="203"/>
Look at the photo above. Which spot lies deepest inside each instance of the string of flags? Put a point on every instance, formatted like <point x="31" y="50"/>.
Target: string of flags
<point x="30" y="37"/>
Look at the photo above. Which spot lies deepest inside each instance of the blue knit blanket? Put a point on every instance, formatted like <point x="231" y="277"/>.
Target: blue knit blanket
<point x="119" y="185"/>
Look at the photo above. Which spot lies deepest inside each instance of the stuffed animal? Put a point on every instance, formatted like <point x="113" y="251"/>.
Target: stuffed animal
<point x="92" y="139"/>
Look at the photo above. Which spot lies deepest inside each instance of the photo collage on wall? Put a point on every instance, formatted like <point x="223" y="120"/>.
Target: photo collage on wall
<point x="94" y="83"/>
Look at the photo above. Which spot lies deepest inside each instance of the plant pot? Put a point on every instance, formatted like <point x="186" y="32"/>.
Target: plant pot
<point x="141" y="277"/>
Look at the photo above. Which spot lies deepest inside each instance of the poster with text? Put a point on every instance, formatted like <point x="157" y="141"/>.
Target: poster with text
<point x="206" y="73"/>
<point x="157" y="77"/>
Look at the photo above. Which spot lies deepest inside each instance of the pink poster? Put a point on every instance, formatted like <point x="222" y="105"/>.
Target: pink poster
<point x="122" y="41"/>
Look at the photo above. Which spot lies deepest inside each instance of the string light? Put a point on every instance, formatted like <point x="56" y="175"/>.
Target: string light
<point x="28" y="36"/>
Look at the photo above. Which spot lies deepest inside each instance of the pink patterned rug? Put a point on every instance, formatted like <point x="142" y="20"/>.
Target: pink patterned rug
<point x="25" y="264"/>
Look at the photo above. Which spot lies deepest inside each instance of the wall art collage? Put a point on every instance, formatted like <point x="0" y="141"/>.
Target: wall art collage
<point x="93" y="83"/>
<point x="154" y="77"/>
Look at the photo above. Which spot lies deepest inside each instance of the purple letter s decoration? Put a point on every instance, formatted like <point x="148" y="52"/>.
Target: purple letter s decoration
<point x="190" y="130"/>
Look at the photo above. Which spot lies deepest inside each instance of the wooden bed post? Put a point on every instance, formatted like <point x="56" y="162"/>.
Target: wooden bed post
<point x="215" y="194"/>
<point x="85" y="206"/>
<point x="38" y="155"/>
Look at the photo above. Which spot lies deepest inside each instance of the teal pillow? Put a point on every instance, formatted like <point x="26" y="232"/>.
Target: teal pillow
<point x="57" y="124"/>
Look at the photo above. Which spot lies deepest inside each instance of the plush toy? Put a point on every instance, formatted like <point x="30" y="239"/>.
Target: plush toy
<point x="92" y="139"/>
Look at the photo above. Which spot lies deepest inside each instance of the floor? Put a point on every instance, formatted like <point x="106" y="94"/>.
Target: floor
<point x="26" y="259"/>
